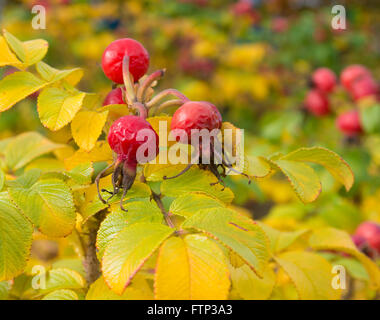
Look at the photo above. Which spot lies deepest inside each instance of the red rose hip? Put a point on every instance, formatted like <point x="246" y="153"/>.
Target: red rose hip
<point x="349" y="123"/>
<point x="112" y="60"/>
<point x="324" y="79"/>
<point x="317" y="103"/>
<point x="196" y="115"/>
<point x="363" y="87"/>
<point x="352" y="73"/>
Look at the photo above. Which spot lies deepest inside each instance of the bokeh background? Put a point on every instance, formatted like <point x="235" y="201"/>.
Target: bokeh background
<point x="254" y="60"/>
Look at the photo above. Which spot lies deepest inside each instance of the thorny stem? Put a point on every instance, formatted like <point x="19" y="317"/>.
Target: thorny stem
<point x="157" y="199"/>
<point x="147" y="83"/>
<point x="130" y="96"/>
<point x="163" y="94"/>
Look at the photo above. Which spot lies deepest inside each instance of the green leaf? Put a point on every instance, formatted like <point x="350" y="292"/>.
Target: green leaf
<point x="61" y="294"/>
<point x="15" y="44"/>
<point x="354" y="268"/>
<point x="2" y="179"/>
<point x="370" y="118"/>
<point x="126" y="254"/>
<point x="249" y="286"/>
<point x="48" y="204"/>
<point x="15" y="239"/>
<point x="5" y="287"/>
<point x="137" y="290"/>
<point x="196" y="180"/>
<point x="239" y="233"/>
<point x="338" y="168"/>
<point x="17" y="86"/>
<point x="138" y="211"/>
<point x="81" y="174"/>
<point x="75" y="264"/>
<point x="311" y="274"/>
<point x="188" y="204"/>
<point x="57" y="107"/>
<point x="302" y="177"/>
<point x="62" y="278"/>
<point x="26" y="147"/>
<point x="257" y="167"/>
<point x="52" y="75"/>
<point x="340" y="241"/>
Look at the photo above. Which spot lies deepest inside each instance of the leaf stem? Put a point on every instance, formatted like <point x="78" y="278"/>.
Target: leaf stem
<point x="157" y="199"/>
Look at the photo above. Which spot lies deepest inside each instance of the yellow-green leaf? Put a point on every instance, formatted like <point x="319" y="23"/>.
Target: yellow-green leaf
<point x="239" y="233"/>
<point x="2" y="179"/>
<point x="25" y="147"/>
<point x="52" y="75"/>
<point x="188" y="204"/>
<point x="16" y="87"/>
<point x="340" y="241"/>
<point x="257" y="167"/>
<point x="5" y="287"/>
<point x="338" y="168"/>
<point x="196" y="180"/>
<point x="280" y="240"/>
<point x="57" y="107"/>
<point x="61" y="294"/>
<point x="137" y="290"/>
<point x="302" y="177"/>
<point x="138" y="211"/>
<point x="191" y="268"/>
<point x="62" y="278"/>
<point x="249" y="286"/>
<point x="15" y="239"/>
<point x="311" y="274"/>
<point x="86" y="128"/>
<point x="126" y="254"/>
<point x="48" y="204"/>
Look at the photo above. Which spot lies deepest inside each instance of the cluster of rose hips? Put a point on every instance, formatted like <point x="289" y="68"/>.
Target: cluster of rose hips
<point x="356" y="80"/>
<point x="125" y="62"/>
<point x="367" y="239"/>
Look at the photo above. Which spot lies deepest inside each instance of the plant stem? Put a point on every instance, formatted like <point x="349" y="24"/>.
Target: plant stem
<point x="157" y="198"/>
<point x="167" y="104"/>
<point x="91" y="263"/>
<point x="130" y="96"/>
<point x="147" y="83"/>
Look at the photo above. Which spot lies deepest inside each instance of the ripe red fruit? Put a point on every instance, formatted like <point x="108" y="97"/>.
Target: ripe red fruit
<point x="324" y="79"/>
<point x="123" y="139"/>
<point x="364" y="87"/>
<point x="115" y="96"/>
<point x="352" y="73"/>
<point x="349" y="123"/>
<point x="370" y="231"/>
<point x="317" y="103"/>
<point x="112" y="60"/>
<point x="196" y="115"/>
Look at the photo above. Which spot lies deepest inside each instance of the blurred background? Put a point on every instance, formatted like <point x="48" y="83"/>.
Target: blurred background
<point x="254" y="60"/>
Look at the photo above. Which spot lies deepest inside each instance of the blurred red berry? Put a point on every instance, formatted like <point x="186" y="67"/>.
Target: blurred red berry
<point x="364" y="87"/>
<point x="370" y="231"/>
<point x="317" y="103"/>
<point x="324" y="79"/>
<point x="352" y="73"/>
<point x="349" y="123"/>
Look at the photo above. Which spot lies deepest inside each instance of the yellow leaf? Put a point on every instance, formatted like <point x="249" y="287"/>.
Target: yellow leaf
<point x="311" y="274"/>
<point x="52" y="75"/>
<point x="7" y="57"/>
<point x="16" y="87"/>
<point x="101" y="152"/>
<point x="338" y="240"/>
<point x="86" y="127"/>
<point x="249" y="286"/>
<point x="191" y="268"/>
<point x="57" y="107"/>
<point x="137" y="290"/>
